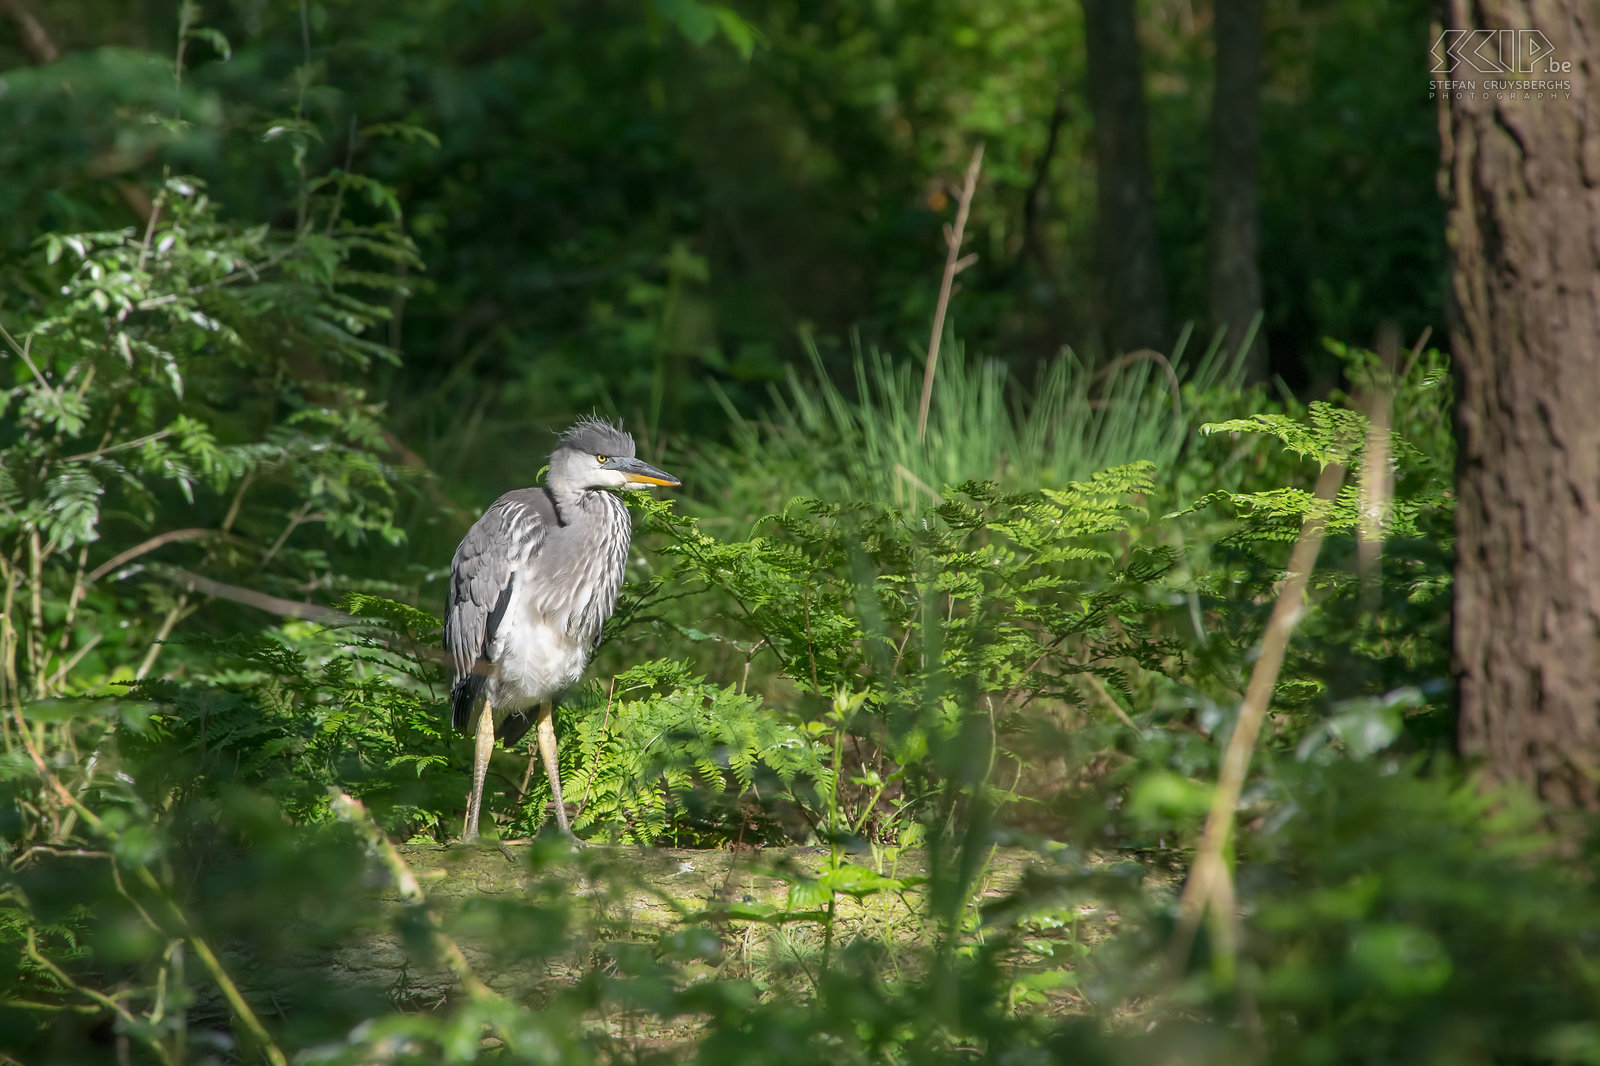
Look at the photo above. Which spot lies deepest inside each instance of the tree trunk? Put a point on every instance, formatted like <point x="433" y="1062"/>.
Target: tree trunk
<point x="1235" y="274"/>
<point x="1523" y="179"/>
<point x="1135" y="297"/>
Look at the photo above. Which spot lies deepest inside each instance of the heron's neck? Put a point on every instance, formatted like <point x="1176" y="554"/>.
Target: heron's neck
<point x="574" y="505"/>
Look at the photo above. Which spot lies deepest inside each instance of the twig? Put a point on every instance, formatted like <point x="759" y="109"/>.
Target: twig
<point x="72" y="600"/>
<point x="130" y="1023"/>
<point x="1099" y="686"/>
<point x="136" y="442"/>
<point x="157" y="541"/>
<point x="242" y="272"/>
<point x="917" y="483"/>
<point x="1034" y="201"/>
<point x="1151" y="355"/>
<point x="36" y="555"/>
<point x="179" y="612"/>
<point x="311" y="612"/>
<point x="954" y="263"/>
<point x="209" y="960"/>
<point x="77" y="657"/>
<point x="1210" y="884"/>
<point x="301" y="516"/>
<point x="36" y="43"/>
<point x="1416" y="352"/>
<point x="811" y="648"/>
<point x="22" y="351"/>
<point x="155" y="215"/>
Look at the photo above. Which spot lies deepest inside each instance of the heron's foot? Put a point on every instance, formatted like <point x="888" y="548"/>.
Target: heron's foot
<point x="555" y="830"/>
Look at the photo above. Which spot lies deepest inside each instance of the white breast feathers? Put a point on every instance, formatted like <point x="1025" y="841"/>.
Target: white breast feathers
<point x="536" y="657"/>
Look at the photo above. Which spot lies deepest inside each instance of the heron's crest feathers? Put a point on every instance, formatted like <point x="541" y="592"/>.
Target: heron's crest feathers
<point x="598" y="437"/>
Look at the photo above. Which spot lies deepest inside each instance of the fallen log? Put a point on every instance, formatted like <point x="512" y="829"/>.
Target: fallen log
<point x="528" y="918"/>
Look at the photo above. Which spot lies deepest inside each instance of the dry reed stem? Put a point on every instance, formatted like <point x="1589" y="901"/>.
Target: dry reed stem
<point x="1210" y="885"/>
<point x="1375" y="485"/>
<point x="954" y="263"/>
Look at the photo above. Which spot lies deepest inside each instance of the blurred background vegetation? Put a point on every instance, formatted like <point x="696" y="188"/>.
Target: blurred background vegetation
<point x="292" y="290"/>
<point x="626" y="206"/>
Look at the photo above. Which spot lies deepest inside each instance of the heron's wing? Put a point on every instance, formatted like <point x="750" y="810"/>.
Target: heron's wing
<point x="481" y="579"/>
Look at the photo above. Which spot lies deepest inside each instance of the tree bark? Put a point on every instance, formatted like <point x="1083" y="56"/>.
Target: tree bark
<point x="1135" y="296"/>
<point x="1523" y="183"/>
<point x="1232" y="245"/>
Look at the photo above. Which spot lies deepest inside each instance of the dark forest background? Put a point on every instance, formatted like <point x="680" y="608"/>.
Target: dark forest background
<point x="631" y="206"/>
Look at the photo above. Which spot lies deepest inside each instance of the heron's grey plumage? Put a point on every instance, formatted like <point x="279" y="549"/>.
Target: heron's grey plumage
<point x="535" y="579"/>
<point x="571" y="560"/>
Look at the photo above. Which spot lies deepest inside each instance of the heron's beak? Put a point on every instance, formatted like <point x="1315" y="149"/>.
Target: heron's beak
<point x="638" y="472"/>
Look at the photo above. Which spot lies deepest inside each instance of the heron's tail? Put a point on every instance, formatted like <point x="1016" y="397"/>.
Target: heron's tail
<point x="463" y="698"/>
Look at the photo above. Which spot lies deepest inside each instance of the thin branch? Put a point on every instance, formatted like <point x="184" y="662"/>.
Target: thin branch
<point x="73" y="598"/>
<point x="954" y="263"/>
<point x="1099" y="685"/>
<point x="1210" y="885"/>
<point x="150" y="225"/>
<point x="22" y="350"/>
<point x="300" y="517"/>
<point x="159" y="540"/>
<point x="310" y="612"/>
<point x="1372" y="480"/>
<point x="917" y="483"/>
<point x="1033" y="202"/>
<point x="36" y="43"/>
<point x="1150" y="355"/>
<point x="242" y="272"/>
<point x="130" y="1023"/>
<point x="77" y="657"/>
<point x="230" y="991"/>
<point x="179" y="612"/>
<point x="124" y="446"/>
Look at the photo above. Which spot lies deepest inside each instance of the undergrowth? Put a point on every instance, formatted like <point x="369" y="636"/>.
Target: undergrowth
<point x="950" y="716"/>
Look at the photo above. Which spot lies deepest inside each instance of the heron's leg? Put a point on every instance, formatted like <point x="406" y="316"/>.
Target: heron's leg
<point x="545" y="724"/>
<point x="483" y="747"/>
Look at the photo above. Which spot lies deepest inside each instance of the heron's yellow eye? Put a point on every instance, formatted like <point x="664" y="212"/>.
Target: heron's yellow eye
<point x="603" y="458"/>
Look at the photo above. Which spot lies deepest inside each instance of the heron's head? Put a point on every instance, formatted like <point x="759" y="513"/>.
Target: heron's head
<point x="599" y="455"/>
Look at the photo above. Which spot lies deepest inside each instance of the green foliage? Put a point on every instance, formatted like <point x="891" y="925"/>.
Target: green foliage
<point x="292" y="720"/>
<point x="1075" y="420"/>
<point x="990" y="673"/>
<point x="888" y="685"/>
<point x="998" y="597"/>
<point x="187" y="382"/>
<point x="670" y="752"/>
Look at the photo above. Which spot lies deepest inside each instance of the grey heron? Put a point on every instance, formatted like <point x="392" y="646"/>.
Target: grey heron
<point x="531" y="587"/>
